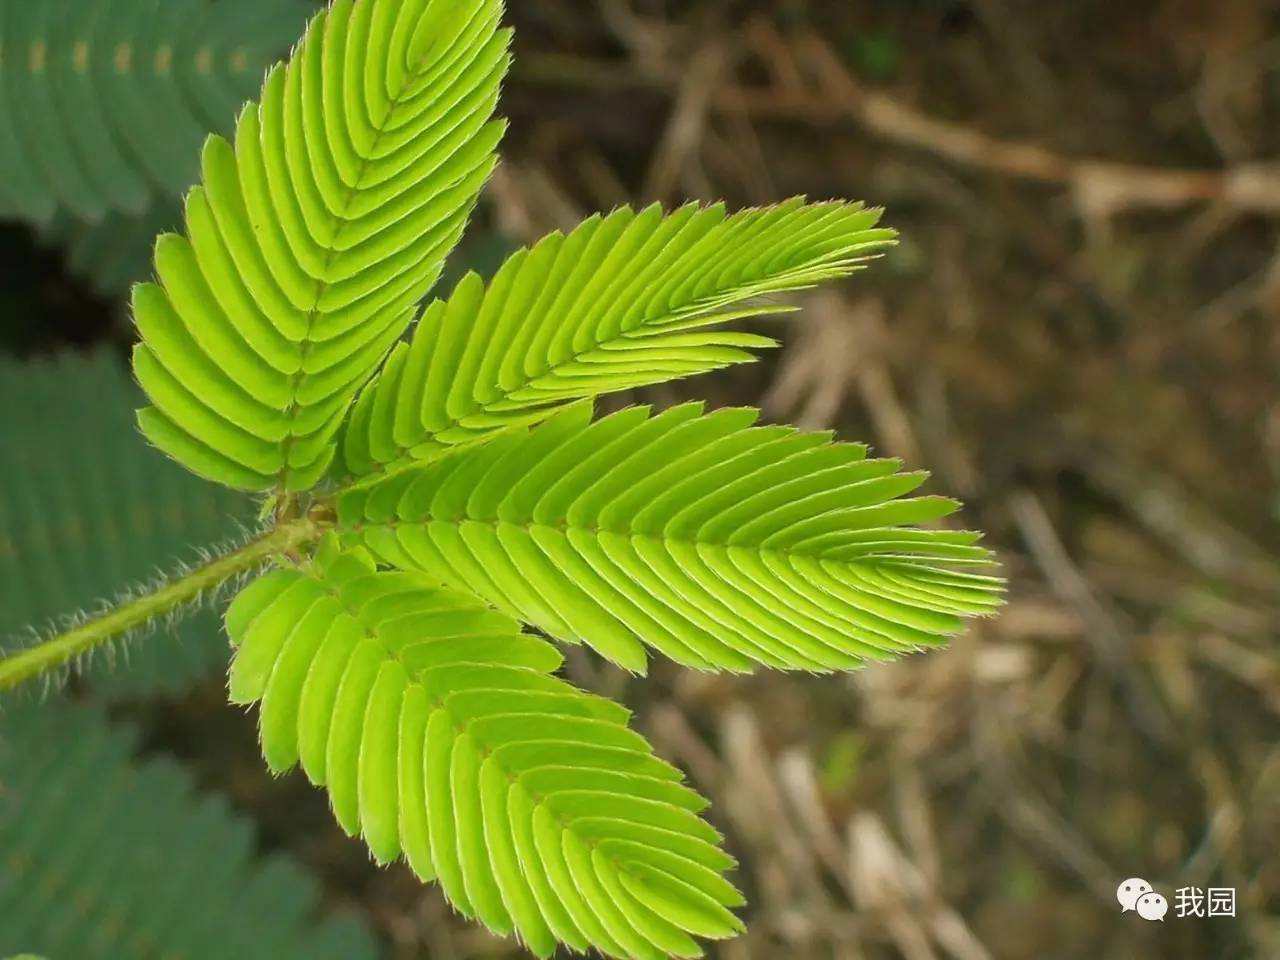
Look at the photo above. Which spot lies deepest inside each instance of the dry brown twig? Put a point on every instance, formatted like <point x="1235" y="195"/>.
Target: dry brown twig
<point x="889" y="884"/>
<point x="1112" y="644"/>
<point x="1100" y="188"/>
<point x="842" y="348"/>
<point x="675" y="159"/>
<point x="1029" y="814"/>
<point x="1202" y="539"/>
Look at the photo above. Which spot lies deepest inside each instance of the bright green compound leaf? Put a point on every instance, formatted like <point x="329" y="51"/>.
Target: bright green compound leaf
<point x="623" y="301"/>
<point x="116" y="252"/>
<point x="432" y="494"/>
<point x="721" y="544"/>
<point x="314" y="235"/>
<point x="442" y="737"/>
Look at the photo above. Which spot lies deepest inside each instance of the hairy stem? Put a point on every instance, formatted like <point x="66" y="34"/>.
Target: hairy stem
<point x="65" y="647"/>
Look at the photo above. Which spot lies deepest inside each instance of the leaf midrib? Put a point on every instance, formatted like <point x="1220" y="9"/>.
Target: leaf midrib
<point x="564" y="527"/>
<point x="342" y="221"/>
<point x="461" y="729"/>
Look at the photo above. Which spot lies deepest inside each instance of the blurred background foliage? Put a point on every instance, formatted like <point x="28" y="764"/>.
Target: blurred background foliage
<point x="1079" y="335"/>
<point x="147" y="870"/>
<point x="88" y="509"/>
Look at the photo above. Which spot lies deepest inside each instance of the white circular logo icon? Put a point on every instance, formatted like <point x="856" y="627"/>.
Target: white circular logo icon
<point x="1129" y="891"/>
<point x="1152" y="906"/>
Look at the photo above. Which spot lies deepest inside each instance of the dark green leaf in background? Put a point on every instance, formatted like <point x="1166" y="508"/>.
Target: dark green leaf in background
<point x="147" y="868"/>
<point x="104" y="103"/>
<point x="88" y="509"/>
